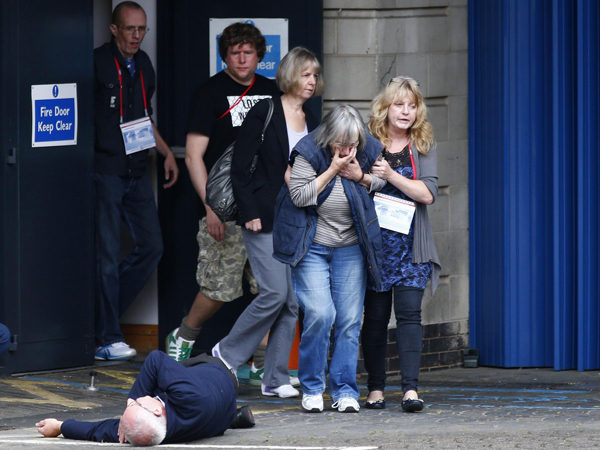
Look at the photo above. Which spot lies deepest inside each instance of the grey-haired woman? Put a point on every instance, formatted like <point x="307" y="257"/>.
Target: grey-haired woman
<point x="332" y="250"/>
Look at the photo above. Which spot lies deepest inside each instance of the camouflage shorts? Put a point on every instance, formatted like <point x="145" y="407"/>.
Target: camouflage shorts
<point x="221" y="265"/>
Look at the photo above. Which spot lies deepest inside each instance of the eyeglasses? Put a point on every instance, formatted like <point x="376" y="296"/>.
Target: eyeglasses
<point x="346" y="144"/>
<point x="401" y="79"/>
<point x="132" y="30"/>
<point x="140" y="405"/>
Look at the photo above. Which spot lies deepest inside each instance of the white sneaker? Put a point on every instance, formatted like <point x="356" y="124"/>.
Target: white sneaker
<point x="284" y="391"/>
<point x="216" y="352"/>
<point x="295" y="381"/>
<point x="312" y="403"/>
<point x="346" y="404"/>
<point x="115" y="352"/>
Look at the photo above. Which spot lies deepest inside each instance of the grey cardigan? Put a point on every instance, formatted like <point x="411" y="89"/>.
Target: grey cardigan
<point x="423" y="244"/>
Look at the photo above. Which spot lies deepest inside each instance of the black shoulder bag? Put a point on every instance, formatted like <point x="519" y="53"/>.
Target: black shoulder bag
<point x="219" y="190"/>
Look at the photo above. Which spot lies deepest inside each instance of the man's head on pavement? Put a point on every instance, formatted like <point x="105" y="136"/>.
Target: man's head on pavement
<point x="242" y="47"/>
<point x="144" y="421"/>
<point x="128" y="27"/>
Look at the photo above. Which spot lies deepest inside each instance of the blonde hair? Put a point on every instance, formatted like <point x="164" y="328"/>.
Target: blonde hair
<point x="420" y="132"/>
<point x="289" y="72"/>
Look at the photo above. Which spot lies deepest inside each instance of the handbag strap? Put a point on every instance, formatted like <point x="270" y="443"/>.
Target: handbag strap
<point x="262" y="136"/>
<point x="267" y="120"/>
<point x="239" y="99"/>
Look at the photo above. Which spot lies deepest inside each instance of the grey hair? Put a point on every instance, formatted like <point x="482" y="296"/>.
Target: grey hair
<point x="344" y="121"/>
<point x="145" y="430"/>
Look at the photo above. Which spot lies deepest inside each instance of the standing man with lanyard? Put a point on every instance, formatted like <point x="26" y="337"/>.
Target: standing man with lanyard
<point x="217" y="110"/>
<point x="124" y="84"/>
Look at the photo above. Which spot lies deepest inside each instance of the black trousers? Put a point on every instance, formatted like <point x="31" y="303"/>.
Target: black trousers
<point x="409" y="335"/>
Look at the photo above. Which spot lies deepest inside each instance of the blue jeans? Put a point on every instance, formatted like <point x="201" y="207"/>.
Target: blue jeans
<point x="330" y="287"/>
<point x="118" y="284"/>
<point x="409" y="335"/>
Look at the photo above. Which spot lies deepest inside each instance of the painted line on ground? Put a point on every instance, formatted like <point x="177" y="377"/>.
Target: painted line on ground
<point x="62" y="441"/>
<point x="15" y="436"/>
<point x="71" y="383"/>
<point x="42" y="396"/>
<point x="522" y="399"/>
<point x="398" y="388"/>
<point x="428" y="405"/>
<point x="546" y="391"/>
<point x="558" y="408"/>
<point x="127" y="377"/>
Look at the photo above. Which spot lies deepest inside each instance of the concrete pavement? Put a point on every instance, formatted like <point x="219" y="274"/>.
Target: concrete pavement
<point x="465" y="408"/>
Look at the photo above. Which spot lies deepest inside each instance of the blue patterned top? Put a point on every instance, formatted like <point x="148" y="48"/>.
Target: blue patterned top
<point x="398" y="268"/>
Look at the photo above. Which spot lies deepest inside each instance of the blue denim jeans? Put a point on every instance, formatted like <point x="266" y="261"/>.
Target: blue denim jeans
<point x="330" y="286"/>
<point x="409" y="335"/>
<point x="118" y="283"/>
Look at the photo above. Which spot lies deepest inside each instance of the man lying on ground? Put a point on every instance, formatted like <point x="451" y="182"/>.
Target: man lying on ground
<point x="169" y="402"/>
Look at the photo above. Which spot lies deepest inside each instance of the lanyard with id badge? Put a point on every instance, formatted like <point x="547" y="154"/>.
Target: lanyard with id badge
<point x="138" y="134"/>
<point x="395" y="213"/>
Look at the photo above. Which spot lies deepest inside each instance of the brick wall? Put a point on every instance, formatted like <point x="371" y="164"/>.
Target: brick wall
<point x="443" y="345"/>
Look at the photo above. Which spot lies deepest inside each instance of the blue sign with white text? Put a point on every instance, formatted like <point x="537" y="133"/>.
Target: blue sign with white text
<point x="54" y="120"/>
<point x="268" y="66"/>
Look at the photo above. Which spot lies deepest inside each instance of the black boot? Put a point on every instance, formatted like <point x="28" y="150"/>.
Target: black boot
<point x="244" y="418"/>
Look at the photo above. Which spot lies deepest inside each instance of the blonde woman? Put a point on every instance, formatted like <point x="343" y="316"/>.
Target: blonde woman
<point x="409" y="164"/>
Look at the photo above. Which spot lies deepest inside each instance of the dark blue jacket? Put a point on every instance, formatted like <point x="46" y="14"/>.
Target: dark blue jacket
<point x="294" y="228"/>
<point x="109" y="149"/>
<point x="200" y="401"/>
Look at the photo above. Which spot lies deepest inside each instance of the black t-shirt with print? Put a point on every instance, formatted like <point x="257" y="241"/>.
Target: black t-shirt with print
<point x="212" y="98"/>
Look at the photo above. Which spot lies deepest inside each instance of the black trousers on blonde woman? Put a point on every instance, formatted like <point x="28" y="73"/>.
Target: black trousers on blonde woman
<point x="409" y="335"/>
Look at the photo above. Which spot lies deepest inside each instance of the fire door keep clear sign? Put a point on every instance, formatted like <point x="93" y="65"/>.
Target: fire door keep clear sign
<point x="54" y="115"/>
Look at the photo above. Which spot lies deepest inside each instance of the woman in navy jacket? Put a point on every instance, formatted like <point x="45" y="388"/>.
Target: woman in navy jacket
<point x="330" y="234"/>
<point x="275" y="308"/>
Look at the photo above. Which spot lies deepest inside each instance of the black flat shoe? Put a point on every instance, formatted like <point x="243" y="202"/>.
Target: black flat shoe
<point x="412" y="405"/>
<point x="377" y="404"/>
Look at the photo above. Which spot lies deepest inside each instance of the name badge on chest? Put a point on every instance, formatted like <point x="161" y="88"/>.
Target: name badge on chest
<point x="138" y="135"/>
<point x="394" y="213"/>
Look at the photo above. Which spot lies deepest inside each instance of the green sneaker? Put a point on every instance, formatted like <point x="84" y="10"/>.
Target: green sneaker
<point x="256" y="376"/>
<point x="179" y="349"/>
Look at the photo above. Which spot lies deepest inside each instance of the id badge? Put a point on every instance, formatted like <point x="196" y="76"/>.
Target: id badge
<point x="138" y="135"/>
<point x="394" y="213"/>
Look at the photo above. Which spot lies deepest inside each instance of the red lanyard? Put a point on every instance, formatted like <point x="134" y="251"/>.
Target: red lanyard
<point x="121" y="90"/>
<point x="239" y="98"/>
<point x="412" y="161"/>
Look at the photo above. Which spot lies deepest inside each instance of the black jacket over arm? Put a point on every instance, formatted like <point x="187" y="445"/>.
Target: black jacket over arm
<point x="255" y="195"/>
